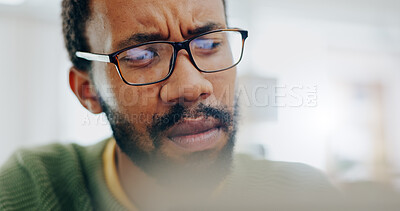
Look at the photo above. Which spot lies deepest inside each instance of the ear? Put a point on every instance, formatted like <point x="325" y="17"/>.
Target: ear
<point x="84" y="89"/>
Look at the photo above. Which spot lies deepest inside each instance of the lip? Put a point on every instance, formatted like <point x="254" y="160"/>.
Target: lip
<point x="195" y="134"/>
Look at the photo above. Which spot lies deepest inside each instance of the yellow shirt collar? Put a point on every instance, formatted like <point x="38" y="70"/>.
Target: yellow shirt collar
<point x="111" y="176"/>
<point x="112" y="179"/>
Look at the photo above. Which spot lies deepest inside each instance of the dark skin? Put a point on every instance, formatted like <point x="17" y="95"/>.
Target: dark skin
<point x="111" y="29"/>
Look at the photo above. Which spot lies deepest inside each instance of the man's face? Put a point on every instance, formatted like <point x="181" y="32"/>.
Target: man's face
<point x="185" y="123"/>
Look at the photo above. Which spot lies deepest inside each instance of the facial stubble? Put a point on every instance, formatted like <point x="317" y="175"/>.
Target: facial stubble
<point x="200" y="169"/>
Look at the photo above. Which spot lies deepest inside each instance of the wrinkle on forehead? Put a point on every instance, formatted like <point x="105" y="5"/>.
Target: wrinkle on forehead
<point x="173" y="19"/>
<point x="149" y="16"/>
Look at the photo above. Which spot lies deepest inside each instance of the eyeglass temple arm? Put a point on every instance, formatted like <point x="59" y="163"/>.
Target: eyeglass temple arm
<point x="93" y="57"/>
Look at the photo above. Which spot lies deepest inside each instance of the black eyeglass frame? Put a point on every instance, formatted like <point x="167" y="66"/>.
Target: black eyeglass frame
<point x="113" y="57"/>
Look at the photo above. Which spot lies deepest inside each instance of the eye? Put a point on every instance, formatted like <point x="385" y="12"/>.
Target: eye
<point x="138" y="57"/>
<point x="206" y="44"/>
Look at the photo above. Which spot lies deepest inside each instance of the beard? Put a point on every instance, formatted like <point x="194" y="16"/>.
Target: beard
<point x="203" y="169"/>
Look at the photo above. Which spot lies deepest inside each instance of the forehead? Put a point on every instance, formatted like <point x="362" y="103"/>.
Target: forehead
<point x="115" y="20"/>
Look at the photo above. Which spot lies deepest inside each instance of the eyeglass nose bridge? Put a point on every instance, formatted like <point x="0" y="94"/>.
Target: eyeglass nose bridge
<point x="185" y="45"/>
<point x="182" y="45"/>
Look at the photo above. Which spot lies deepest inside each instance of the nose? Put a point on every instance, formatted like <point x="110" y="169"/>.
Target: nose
<point x="186" y="84"/>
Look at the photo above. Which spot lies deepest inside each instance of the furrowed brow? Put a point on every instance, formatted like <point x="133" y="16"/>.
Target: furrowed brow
<point x="139" y="38"/>
<point x="144" y="37"/>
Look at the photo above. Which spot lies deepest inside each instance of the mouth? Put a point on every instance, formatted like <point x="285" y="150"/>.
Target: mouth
<point x="195" y="134"/>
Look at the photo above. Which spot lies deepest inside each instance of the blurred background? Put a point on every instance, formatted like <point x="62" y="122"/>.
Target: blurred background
<point x="319" y="84"/>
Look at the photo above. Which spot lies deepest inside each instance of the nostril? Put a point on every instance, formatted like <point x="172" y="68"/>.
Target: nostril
<point x="204" y="95"/>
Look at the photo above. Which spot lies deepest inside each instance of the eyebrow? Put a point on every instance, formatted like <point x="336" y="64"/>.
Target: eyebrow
<point x="149" y="37"/>
<point x="206" y="28"/>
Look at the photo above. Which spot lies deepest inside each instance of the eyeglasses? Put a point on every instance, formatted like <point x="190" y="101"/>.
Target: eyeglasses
<point x="153" y="62"/>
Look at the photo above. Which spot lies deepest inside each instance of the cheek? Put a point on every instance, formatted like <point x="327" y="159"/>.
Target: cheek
<point x="224" y="87"/>
<point x="137" y="99"/>
<point x="139" y="104"/>
<point x="105" y="77"/>
<point x="121" y="96"/>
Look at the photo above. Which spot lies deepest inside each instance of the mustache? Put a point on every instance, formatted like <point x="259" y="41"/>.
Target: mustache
<point x="178" y="112"/>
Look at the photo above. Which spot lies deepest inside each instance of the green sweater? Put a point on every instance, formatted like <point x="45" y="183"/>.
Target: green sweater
<point x="71" y="177"/>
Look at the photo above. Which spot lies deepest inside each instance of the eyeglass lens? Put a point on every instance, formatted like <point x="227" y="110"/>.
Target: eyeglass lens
<point x="152" y="62"/>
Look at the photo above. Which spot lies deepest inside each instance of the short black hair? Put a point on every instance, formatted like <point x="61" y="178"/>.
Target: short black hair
<point x="75" y="15"/>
